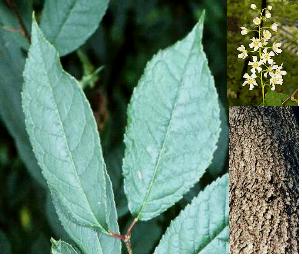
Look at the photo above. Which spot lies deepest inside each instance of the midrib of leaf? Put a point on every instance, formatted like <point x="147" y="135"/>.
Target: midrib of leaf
<point x="66" y="142"/>
<point x="61" y="210"/>
<point x="145" y="200"/>
<point x="64" y="21"/>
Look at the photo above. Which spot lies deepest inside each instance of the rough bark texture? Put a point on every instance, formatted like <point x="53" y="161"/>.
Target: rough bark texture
<point x="264" y="180"/>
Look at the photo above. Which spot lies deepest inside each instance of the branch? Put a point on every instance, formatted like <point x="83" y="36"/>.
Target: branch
<point x="290" y="97"/>
<point x="127" y="237"/>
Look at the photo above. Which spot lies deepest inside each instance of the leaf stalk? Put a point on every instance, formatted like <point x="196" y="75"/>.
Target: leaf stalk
<point x="126" y="238"/>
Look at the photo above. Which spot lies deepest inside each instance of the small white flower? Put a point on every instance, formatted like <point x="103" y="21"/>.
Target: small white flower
<point x="266" y="56"/>
<point x="266" y="34"/>
<point x="256" y="43"/>
<point x="269" y="7"/>
<point x="243" y="53"/>
<point x="278" y="72"/>
<point x="257" y="21"/>
<point x="253" y="6"/>
<point x="274" y="27"/>
<point x="256" y="65"/>
<point x="268" y="15"/>
<point x="269" y="71"/>
<point x="275" y="80"/>
<point x="250" y="80"/>
<point x="276" y="75"/>
<point x="242" y="56"/>
<point x="241" y="48"/>
<point x="264" y="41"/>
<point x="244" y="30"/>
<point x="276" y="48"/>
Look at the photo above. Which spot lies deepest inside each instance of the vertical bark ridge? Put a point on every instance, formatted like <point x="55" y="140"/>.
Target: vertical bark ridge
<point x="264" y="180"/>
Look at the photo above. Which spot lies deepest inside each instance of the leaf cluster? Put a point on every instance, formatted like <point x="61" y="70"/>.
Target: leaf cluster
<point x="64" y="142"/>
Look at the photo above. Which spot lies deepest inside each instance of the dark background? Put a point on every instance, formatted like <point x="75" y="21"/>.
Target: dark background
<point x="131" y="32"/>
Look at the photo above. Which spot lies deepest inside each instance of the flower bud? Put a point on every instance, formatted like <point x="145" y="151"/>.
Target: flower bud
<point x="257" y="21"/>
<point x="274" y="27"/>
<point x="244" y="30"/>
<point x="268" y="14"/>
<point x="253" y="6"/>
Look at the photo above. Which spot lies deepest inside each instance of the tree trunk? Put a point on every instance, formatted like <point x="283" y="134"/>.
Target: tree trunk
<point x="264" y="180"/>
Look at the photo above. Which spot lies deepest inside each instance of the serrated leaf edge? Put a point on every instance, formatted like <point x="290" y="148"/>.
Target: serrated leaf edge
<point x="34" y="23"/>
<point x="182" y="213"/>
<point x="200" y="26"/>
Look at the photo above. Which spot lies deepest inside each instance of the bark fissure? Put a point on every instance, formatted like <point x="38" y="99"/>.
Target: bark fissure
<point x="263" y="180"/>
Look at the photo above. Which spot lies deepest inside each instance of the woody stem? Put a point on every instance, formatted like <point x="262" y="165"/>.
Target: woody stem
<point x="126" y="238"/>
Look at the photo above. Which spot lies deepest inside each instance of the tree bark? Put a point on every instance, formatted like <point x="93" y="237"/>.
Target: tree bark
<point x="264" y="180"/>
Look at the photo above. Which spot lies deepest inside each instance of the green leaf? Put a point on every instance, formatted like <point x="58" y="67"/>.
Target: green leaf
<point x="61" y="247"/>
<point x="274" y="99"/>
<point x="173" y="127"/>
<point x="53" y="220"/>
<point x="12" y="62"/>
<point x="202" y="227"/>
<point x="89" y="240"/>
<point x="114" y="159"/>
<point x="63" y="133"/>
<point x="68" y="24"/>
<point x="221" y="152"/>
<point x="97" y="243"/>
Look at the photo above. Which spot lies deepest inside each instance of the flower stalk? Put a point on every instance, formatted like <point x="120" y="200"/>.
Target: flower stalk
<point x="264" y="71"/>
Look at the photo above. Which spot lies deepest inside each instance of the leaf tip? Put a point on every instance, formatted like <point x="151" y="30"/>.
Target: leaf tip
<point x="34" y="20"/>
<point x="53" y="241"/>
<point x="202" y="16"/>
<point x="34" y="26"/>
<point x="200" y="22"/>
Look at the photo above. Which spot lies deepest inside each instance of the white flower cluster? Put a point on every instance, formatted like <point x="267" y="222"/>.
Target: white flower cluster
<point x="263" y="66"/>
